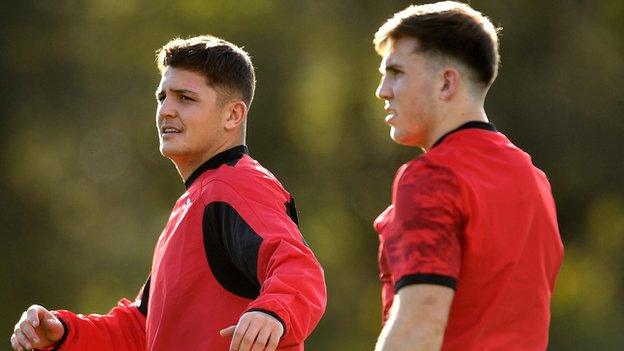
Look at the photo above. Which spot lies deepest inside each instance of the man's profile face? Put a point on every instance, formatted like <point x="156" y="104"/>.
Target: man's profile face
<point x="408" y="87"/>
<point x="189" y="117"/>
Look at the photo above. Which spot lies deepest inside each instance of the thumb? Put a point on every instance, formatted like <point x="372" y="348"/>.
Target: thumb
<point x="229" y="331"/>
<point x="53" y="325"/>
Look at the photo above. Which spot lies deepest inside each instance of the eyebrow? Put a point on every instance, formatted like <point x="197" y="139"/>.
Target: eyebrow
<point x="177" y="91"/>
<point x="390" y="67"/>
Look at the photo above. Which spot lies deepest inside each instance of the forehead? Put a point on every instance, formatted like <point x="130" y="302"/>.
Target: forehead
<point x="401" y="51"/>
<point x="176" y="78"/>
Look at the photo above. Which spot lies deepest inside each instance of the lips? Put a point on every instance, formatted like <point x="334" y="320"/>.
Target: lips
<point x="167" y="130"/>
<point x="390" y="114"/>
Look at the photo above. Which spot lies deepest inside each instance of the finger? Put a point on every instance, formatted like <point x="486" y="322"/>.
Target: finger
<point x="32" y="315"/>
<point x="21" y="340"/>
<point x="262" y="339"/>
<point x="273" y="340"/>
<point x="14" y="344"/>
<point x="238" y="335"/>
<point x="250" y="335"/>
<point x="227" y="331"/>
<point x="53" y="326"/>
<point x="29" y="332"/>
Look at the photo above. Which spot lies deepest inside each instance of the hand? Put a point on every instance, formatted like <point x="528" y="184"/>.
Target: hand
<point x="38" y="328"/>
<point x="255" y="331"/>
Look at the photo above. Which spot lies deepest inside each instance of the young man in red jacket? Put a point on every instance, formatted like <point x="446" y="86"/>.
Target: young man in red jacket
<point x="469" y="247"/>
<point x="231" y="270"/>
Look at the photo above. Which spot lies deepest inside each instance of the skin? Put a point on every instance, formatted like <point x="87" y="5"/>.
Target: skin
<point x="205" y="121"/>
<point x="417" y="319"/>
<point x="37" y="328"/>
<point x="425" y="97"/>
<point x="194" y="123"/>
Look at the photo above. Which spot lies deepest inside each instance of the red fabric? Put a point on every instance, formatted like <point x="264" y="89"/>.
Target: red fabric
<point x="123" y="328"/>
<point x="474" y="208"/>
<point x="187" y="306"/>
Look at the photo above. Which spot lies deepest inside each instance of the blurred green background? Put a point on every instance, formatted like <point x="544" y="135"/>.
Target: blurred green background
<point x="85" y="193"/>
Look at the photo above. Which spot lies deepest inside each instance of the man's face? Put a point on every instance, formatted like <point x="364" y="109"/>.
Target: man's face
<point x="189" y="117"/>
<point x="408" y="86"/>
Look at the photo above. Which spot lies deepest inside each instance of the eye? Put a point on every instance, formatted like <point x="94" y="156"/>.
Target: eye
<point x="185" y="98"/>
<point x="160" y="97"/>
<point x="393" y="72"/>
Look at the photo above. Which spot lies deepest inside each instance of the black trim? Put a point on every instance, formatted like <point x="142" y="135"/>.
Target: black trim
<point x="436" y="279"/>
<point x="145" y="297"/>
<point x="229" y="157"/>
<point x="468" y="125"/>
<point x="272" y="314"/>
<point x="59" y="343"/>
<point x="232" y="248"/>
<point x="291" y="210"/>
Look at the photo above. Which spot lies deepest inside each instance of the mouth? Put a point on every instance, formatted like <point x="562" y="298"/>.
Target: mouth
<point x="168" y="130"/>
<point x="390" y="114"/>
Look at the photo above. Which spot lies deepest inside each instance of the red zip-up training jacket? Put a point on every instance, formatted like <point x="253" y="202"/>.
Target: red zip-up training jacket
<point x="231" y="245"/>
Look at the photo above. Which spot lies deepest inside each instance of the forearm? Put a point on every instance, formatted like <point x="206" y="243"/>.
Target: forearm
<point x="293" y="287"/>
<point x="398" y="335"/>
<point x="417" y="319"/>
<point x="121" y="329"/>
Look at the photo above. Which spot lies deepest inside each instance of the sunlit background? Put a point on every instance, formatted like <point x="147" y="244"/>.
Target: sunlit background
<point x="84" y="192"/>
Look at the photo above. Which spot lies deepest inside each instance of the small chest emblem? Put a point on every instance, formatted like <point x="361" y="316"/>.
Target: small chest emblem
<point x="187" y="204"/>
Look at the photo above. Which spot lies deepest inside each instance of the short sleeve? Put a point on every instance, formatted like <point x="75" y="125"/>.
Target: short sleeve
<point x="424" y="244"/>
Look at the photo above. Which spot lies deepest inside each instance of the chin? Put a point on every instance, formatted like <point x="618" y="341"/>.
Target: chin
<point x="403" y="139"/>
<point x="170" y="152"/>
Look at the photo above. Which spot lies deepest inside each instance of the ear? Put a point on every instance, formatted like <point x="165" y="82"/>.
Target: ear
<point x="451" y="79"/>
<point x="236" y="114"/>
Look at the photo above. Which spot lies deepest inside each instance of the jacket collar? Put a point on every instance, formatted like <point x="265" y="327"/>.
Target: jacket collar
<point x="230" y="157"/>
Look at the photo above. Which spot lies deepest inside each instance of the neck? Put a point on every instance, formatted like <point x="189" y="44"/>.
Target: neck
<point x="453" y="119"/>
<point x="186" y="166"/>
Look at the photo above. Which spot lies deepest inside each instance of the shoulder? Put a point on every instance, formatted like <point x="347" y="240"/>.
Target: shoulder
<point x="426" y="174"/>
<point x="246" y="181"/>
<point x="425" y="184"/>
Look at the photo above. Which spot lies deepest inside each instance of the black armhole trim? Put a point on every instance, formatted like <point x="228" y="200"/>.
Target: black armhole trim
<point x="272" y="314"/>
<point x="145" y="297"/>
<point x="58" y="345"/>
<point x="436" y="279"/>
<point x="232" y="249"/>
<point x="291" y="211"/>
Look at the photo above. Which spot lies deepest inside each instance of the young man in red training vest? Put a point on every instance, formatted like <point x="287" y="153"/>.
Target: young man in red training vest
<point x="469" y="247"/>
<point x="231" y="270"/>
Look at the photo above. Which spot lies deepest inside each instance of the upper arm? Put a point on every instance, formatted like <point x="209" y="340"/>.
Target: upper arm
<point x="424" y="246"/>
<point x="424" y="304"/>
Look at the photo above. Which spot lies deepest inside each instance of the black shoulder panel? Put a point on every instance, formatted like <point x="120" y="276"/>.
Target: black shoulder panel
<point x="232" y="248"/>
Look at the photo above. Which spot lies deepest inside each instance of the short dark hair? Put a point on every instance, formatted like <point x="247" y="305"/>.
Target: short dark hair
<point x="227" y="67"/>
<point x="447" y="28"/>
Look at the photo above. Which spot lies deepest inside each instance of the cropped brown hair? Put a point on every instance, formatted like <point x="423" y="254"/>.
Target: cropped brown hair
<point x="447" y="28"/>
<point x="227" y="67"/>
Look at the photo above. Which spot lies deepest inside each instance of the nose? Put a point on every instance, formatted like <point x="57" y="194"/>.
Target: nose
<point x="384" y="90"/>
<point x="165" y="109"/>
